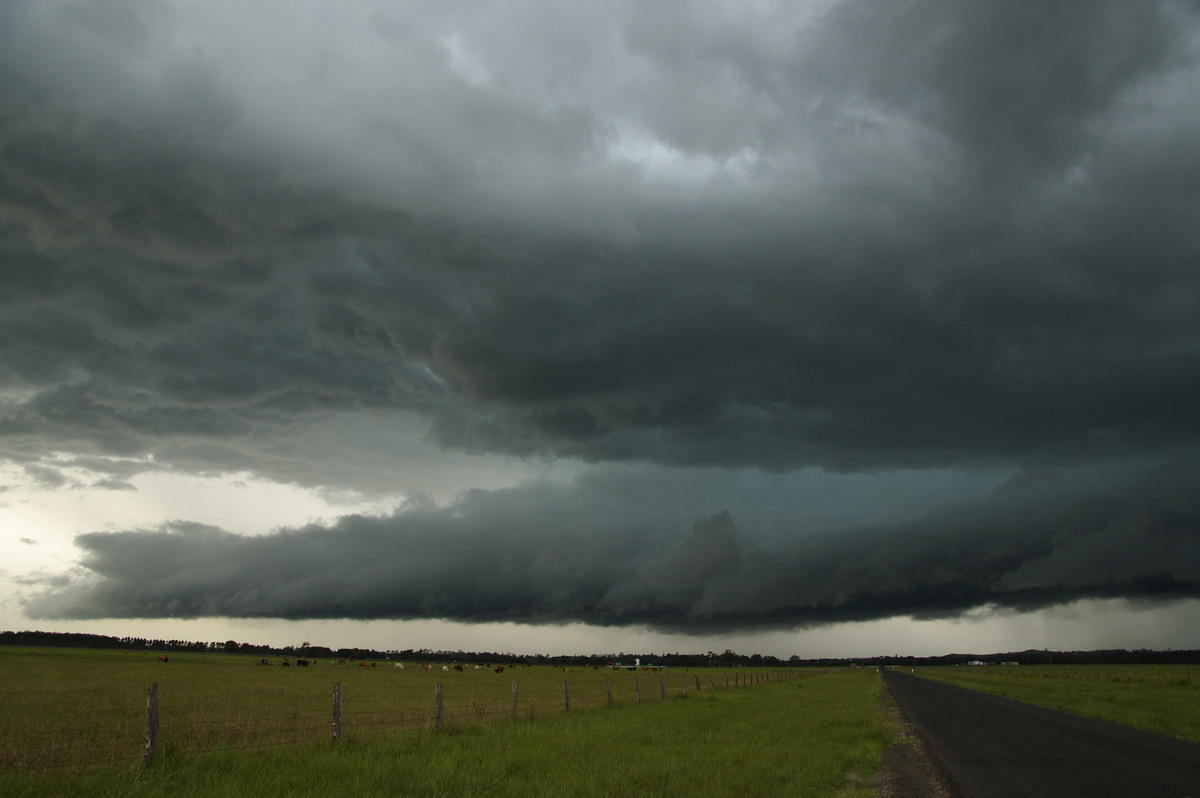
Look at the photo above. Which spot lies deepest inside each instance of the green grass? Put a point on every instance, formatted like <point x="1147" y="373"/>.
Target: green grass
<point x="816" y="735"/>
<point x="1162" y="699"/>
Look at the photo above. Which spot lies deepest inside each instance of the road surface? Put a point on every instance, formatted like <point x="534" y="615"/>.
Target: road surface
<point x="985" y="745"/>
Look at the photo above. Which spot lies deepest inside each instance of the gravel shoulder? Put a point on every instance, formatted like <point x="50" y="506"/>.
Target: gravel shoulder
<point x="907" y="771"/>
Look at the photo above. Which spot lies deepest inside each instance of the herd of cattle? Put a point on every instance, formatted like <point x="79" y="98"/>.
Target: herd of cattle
<point x="304" y="663"/>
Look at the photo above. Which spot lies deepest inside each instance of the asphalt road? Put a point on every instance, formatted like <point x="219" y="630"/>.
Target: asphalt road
<point x="984" y="745"/>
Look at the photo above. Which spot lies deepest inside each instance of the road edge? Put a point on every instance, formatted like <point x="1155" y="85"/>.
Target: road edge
<point x="908" y="770"/>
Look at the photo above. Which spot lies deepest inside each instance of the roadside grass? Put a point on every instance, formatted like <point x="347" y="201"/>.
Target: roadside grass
<point x="1162" y="699"/>
<point x="820" y="735"/>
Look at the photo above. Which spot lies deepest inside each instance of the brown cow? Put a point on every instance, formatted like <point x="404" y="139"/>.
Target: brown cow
<point x="163" y="658"/>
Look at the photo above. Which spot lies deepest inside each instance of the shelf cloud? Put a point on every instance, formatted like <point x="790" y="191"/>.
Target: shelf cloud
<point x="561" y="554"/>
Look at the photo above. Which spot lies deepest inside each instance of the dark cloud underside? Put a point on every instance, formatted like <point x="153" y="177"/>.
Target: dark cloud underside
<point x="552" y="555"/>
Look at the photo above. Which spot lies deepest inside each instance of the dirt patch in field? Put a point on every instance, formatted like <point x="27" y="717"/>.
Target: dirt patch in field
<point x="907" y="770"/>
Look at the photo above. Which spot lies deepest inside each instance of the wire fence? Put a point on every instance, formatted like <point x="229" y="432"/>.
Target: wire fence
<point x="55" y="730"/>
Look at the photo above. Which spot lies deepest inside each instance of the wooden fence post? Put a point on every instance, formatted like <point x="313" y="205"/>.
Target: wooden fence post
<point x="566" y="696"/>
<point x="697" y="683"/>
<point x="637" y="691"/>
<point x="513" y="708"/>
<point x="437" y="705"/>
<point x="151" y="723"/>
<point x="608" y="688"/>
<point x="337" y="711"/>
<point x="683" y="684"/>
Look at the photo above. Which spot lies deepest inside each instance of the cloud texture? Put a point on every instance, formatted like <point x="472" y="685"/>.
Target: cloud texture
<point x="555" y="554"/>
<point x="314" y="243"/>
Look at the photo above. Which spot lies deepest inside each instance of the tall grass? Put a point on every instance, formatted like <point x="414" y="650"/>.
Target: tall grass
<point x="816" y="736"/>
<point x="1151" y="697"/>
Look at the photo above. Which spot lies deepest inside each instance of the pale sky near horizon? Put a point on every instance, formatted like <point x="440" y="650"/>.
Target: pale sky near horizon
<point x="837" y="328"/>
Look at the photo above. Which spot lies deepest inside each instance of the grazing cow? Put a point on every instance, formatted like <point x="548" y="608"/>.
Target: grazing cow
<point x="458" y="668"/>
<point x="445" y="668"/>
<point x="162" y="658"/>
<point x="303" y="663"/>
<point x="286" y="664"/>
<point x="499" y="669"/>
<point x="478" y="667"/>
<point x="262" y="662"/>
<point x="425" y="665"/>
<point x="363" y="665"/>
<point x="398" y="665"/>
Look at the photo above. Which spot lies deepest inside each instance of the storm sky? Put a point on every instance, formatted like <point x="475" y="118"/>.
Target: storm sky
<point x="686" y="321"/>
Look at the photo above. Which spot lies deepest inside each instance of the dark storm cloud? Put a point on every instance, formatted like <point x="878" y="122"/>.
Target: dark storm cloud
<point x="1017" y="85"/>
<point x="857" y="235"/>
<point x="950" y="241"/>
<point x="554" y="554"/>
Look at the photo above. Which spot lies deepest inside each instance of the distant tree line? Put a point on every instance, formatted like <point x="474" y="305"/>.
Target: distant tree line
<point x="725" y="659"/>
<point x="1117" y="656"/>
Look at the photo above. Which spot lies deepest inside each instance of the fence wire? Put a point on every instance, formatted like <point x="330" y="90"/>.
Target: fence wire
<point x="209" y="719"/>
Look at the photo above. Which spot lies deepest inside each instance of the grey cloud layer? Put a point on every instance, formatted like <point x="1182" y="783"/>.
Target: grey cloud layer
<point x="551" y="554"/>
<point x="864" y="289"/>
<point x="851" y="235"/>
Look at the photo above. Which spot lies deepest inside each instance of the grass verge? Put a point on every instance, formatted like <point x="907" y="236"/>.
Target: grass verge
<point x="1170" y="706"/>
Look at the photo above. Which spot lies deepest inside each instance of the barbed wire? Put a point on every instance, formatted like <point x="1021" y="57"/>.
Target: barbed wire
<point x="237" y="730"/>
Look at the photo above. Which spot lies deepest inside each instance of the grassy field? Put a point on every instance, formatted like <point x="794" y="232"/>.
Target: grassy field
<point x="230" y="728"/>
<point x="1157" y="698"/>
